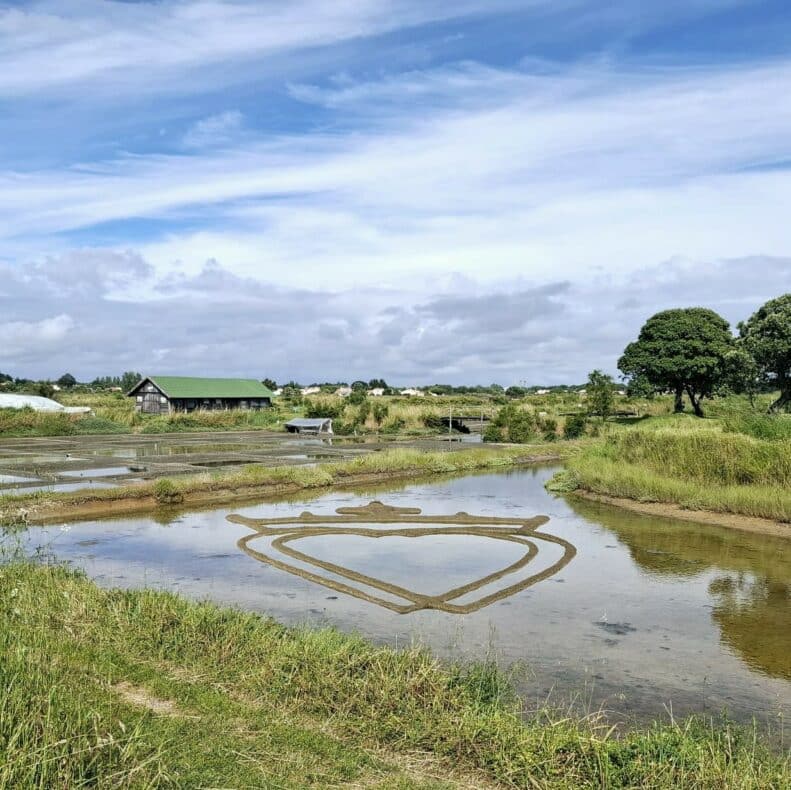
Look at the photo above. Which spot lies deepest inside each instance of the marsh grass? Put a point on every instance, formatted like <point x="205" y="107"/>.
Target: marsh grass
<point x="229" y="699"/>
<point x="697" y="469"/>
<point x="257" y="479"/>
<point x="771" y="427"/>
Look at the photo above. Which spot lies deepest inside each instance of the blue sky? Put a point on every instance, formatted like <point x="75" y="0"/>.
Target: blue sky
<point x="487" y="190"/>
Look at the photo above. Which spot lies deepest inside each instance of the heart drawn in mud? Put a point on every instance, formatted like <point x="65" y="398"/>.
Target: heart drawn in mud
<point x="408" y="523"/>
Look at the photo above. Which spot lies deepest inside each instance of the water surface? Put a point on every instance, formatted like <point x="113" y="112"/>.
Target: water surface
<point x="649" y="615"/>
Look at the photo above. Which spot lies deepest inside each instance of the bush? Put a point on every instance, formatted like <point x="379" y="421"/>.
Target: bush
<point x="549" y="428"/>
<point x="166" y="493"/>
<point x="364" y="412"/>
<point x="575" y="426"/>
<point x="511" y="424"/>
<point x="396" y="425"/>
<point x="493" y="433"/>
<point x="357" y="397"/>
<point x="380" y="411"/>
<point x="324" y="408"/>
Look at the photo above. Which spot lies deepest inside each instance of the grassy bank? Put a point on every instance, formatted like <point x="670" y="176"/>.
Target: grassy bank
<point x="143" y="689"/>
<point x="258" y="480"/>
<point x="698" y="469"/>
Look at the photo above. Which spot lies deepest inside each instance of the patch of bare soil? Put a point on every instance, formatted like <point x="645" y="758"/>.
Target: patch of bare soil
<point x="763" y="526"/>
<point x="135" y="695"/>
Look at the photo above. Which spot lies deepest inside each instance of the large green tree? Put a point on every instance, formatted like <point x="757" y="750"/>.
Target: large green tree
<point x="682" y="350"/>
<point x="766" y="336"/>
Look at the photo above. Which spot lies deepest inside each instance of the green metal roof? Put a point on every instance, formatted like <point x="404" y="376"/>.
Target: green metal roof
<point x="195" y="388"/>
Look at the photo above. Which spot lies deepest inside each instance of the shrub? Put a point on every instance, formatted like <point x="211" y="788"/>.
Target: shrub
<point x="549" y="428"/>
<point x="166" y="493"/>
<point x="511" y="424"/>
<point x="493" y="433"/>
<point x="575" y="426"/>
<point x="380" y="412"/>
<point x="364" y="412"/>
<point x="396" y="425"/>
<point x="324" y="408"/>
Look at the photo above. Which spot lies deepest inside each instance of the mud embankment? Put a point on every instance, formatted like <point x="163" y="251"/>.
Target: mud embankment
<point x="668" y="510"/>
<point x="91" y="504"/>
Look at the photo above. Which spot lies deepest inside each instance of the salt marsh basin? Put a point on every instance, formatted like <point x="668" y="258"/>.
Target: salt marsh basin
<point x="650" y="614"/>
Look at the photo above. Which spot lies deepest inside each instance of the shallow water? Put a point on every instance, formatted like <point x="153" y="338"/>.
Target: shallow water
<point x="103" y="471"/>
<point x="649" y="615"/>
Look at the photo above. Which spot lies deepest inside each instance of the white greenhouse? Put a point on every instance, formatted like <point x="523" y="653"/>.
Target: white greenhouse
<point x="37" y="403"/>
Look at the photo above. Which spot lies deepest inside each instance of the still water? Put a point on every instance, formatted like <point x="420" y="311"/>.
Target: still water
<point x="634" y="614"/>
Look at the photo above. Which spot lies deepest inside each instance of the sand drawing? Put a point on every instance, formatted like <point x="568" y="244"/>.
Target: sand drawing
<point x="410" y="523"/>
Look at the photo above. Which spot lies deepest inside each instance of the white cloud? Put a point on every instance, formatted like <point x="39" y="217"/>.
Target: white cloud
<point x="34" y="338"/>
<point x="459" y="330"/>
<point x="215" y="130"/>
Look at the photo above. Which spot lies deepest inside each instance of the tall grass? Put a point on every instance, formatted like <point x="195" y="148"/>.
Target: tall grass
<point x="728" y="459"/>
<point x="256" y="704"/>
<point x="699" y="470"/>
<point x="772" y="427"/>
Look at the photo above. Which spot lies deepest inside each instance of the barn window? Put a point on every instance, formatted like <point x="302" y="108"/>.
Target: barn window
<point x="139" y="398"/>
<point x="163" y="399"/>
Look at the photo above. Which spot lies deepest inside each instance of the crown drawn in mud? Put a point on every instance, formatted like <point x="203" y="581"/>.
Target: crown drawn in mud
<point x="409" y="523"/>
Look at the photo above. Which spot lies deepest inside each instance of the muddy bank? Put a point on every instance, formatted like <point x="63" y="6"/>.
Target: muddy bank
<point x="197" y="493"/>
<point x="665" y="509"/>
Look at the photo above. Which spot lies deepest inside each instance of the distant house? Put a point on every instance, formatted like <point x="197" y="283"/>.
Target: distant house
<point x="316" y="425"/>
<point x="165" y="394"/>
<point x="310" y="390"/>
<point x="413" y="392"/>
<point x="376" y="392"/>
<point x="343" y="392"/>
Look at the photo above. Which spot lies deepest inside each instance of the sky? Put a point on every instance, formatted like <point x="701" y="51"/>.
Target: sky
<point x="470" y="192"/>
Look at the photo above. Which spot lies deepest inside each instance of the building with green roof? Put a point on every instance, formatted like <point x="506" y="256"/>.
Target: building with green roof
<point x="165" y="394"/>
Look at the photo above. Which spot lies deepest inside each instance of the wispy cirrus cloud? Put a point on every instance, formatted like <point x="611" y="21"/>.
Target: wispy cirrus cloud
<point x="126" y="43"/>
<point x="633" y="165"/>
